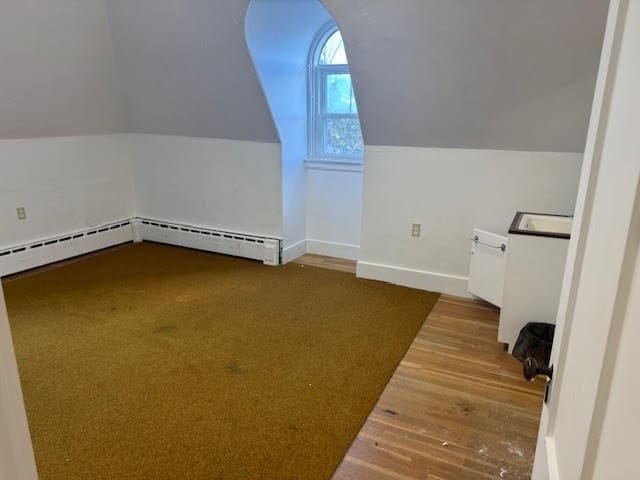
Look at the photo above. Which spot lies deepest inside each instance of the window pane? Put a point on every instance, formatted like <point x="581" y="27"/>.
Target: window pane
<point x="339" y="94"/>
<point x="333" y="52"/>
<point x="342" y="136"/>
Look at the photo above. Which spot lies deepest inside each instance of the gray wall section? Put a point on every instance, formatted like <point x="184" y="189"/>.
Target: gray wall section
<point x="57" y="70"/>
<point x="428" y="73"/>
<point x="488" y="74"/>
<point x="186" y="69"/>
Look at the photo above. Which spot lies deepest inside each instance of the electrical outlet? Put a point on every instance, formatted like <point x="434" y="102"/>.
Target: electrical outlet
<point x="22" y="213"/>
<point x="416" y="229"/>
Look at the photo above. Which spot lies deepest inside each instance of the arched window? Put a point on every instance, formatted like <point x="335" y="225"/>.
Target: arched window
<point x="334" y="126"/>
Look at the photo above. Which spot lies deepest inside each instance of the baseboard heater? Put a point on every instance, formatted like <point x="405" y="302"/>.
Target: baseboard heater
<point x="267" y="250"/>
<point x="54" y="249"/>
<point x="42" y="252"/>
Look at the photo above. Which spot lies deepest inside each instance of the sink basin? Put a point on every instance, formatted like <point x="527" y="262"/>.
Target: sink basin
<point x="541" y="224"/>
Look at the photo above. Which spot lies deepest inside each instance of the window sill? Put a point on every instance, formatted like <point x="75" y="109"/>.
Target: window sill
<point x="335" y="165"/>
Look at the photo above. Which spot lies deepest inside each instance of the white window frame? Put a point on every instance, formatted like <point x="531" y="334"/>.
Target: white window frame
<point x="317" y="100"/>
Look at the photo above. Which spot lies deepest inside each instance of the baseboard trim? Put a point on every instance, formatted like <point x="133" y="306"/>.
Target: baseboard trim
<point x="61" y="247"/>
<point x="294" y="251"/>
<point x="409" y="277"/>
<point x="333" y="249"/>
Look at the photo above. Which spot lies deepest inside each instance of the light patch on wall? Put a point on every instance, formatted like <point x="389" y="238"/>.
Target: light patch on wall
<point x="280" y="49"/>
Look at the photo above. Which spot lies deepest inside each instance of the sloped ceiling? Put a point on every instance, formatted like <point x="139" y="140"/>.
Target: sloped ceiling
<point x="57" y="70"/>
<point x="491" y="74"/>
<point x="434" y="73"/>
<point x="186" y="69"/>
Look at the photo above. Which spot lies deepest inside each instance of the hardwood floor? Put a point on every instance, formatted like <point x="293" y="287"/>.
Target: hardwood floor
<point x="456" y="408"/>
<point x="331" y="263"/>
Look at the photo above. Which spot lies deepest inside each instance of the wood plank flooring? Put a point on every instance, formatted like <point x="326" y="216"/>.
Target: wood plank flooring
<point x="331" y="263"/>
<point x="457" y="407"/>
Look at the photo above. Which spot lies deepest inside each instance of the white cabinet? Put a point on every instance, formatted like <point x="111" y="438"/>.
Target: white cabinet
<point x="532" y="283"/>
<point x="521" y="273"/>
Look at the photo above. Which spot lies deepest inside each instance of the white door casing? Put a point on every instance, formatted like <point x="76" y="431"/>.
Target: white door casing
<point x="16" y="452"/>
<point x="603" y="245"/>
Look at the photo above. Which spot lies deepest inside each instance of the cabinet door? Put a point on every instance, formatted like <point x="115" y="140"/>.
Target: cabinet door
<point x="486" y="270"/>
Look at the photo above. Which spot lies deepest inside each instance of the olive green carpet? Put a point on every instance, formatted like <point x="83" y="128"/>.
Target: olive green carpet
<point x="161" y="363"/>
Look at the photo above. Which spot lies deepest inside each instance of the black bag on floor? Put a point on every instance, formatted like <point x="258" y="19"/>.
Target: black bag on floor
<point x="535" y="340"/>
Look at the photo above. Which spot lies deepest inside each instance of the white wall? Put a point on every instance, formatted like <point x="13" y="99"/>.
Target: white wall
<point x="450" y="191"/>
<point x="227" y="184"/>
<point x="71" y="183"/>
<point x="334" y="208"/>
<point x="280" y="50"/>
<point x="64" y="183"/>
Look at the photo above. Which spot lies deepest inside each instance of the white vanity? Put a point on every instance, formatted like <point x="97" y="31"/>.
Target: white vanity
<point x="532" y="264"/>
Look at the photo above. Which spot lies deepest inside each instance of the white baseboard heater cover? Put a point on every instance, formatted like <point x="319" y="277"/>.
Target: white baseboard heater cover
<point x="18" y="258"/>
<point x="265" y="249"/>
<point x="42" y="252"/>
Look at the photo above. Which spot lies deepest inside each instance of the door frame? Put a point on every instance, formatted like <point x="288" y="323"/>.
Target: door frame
<point x="16" y="451"/>
<point x="599" y="170"/>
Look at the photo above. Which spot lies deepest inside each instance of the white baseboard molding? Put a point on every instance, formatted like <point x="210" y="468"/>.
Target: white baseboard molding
<point x="294" y="251"/>
<point x="333" y="249"/>
<point x="54" y="249"/>
<point x="420" y="279"/>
